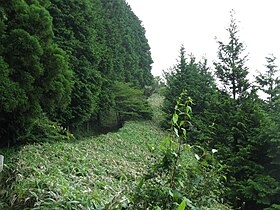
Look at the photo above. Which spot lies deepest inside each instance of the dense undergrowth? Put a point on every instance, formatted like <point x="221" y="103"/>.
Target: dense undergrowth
<point x="77" y="175"/>
<point x="109" y="172"/>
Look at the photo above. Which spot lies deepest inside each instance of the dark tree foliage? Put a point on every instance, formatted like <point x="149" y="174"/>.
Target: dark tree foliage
<point x="105" y="43"/>
<point x="75" y="33"/>
<point x="60" y="59"/>
<point x="127" y="45"/>
<point x="234" y="120"/>
<point x="35" y="72"/>
<point x="243" y="130"/>
<point x="269" y="82"/>
<point x="196" y="78"/>
<point x="124" y="50"/>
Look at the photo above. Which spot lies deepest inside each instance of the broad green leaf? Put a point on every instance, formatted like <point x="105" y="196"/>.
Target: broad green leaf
<point x="176" y="132"/>
<point x="175" y="118"/>
<point x="182" y="205"/>
<point x="182" y="123"/>
<point x="170" y="193"/>
<point x="163" y="148"/>
<point x="225" y="178"/>
<point x="188" y="109"/>
<point x="184" y="132"/>
<point x="168" y="140"/>
<point x="188" y="147"/>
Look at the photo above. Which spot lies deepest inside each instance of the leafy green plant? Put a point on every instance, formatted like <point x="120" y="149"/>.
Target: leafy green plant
<point x="182" y="175"/>
<point x="44" y="130"/>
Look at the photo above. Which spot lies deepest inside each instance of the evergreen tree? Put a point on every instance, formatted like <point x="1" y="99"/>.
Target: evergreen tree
<point x="75" y="33"/>
<point x="127" y="44"/>
<point x="232" y="72"/>
<point x="105" y="43"/>
<point x="231" y="69"/>
<point x="35" y="71"/>
<point x="242" y="127"/>
<point x="195" y="77"/>
<point x="269" y="82"/>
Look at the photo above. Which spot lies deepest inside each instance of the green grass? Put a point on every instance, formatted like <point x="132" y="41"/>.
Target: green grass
<point x="78" y="175"/>
<point x="89" y="173"/>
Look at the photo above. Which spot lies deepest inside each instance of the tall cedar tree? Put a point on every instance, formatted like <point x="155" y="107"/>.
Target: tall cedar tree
<point x="36" y="77"/>
<point x="231" y="69"/>
<point x="75" y="33"/>
<point x="105" y="43"/>
<point x="125" y="53"/>
<point x="127" y="46"/>
<point x="269" y="83"/>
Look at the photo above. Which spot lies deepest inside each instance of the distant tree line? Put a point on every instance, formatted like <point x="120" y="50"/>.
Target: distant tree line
<point x="60" y="61"/>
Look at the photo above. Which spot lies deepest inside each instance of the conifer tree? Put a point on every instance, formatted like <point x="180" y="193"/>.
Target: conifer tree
<point x="269" y="82"/>
<point x="244" y="127"/>
<point x="231" y="69"/>
<point x="75" y="33"/>
<point x="195" y="77"/>
<point x="35" y="71"/>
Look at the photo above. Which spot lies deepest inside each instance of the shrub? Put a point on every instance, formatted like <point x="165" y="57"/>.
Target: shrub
<point x="44" y="130"/>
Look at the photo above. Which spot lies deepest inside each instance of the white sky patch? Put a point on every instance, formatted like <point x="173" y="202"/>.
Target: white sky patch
<point x="196" y="23"/>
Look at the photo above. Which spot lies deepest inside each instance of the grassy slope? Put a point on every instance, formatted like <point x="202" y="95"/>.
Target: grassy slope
<point x="84" y="173"/>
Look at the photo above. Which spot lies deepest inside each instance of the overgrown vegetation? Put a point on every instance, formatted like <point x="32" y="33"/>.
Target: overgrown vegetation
<point x="65" y="71"/>
<point x="181" y="173"/>
<point x="130" y="103"/>
<point x="234" y="120"/>
<point x="88" y="173"/>
<point x="107" y="171"/>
